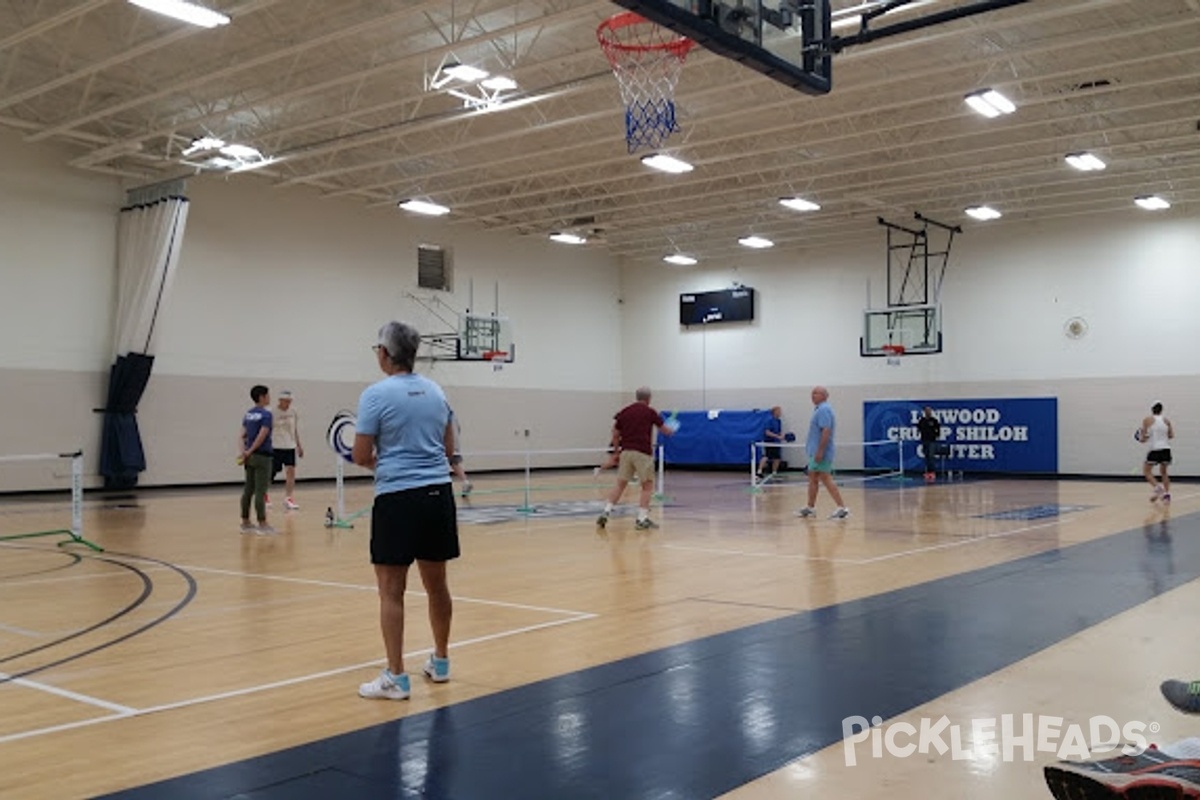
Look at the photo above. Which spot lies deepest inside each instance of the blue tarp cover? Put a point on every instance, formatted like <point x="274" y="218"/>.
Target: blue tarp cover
<point x="715" y="437"/>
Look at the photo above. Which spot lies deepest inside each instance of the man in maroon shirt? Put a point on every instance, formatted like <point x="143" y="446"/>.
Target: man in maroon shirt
<point x="633" y="428"/>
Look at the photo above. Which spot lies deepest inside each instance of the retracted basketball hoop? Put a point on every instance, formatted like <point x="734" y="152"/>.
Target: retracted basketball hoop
<point x="647" y="59"/>
<point x="894" y="353"/>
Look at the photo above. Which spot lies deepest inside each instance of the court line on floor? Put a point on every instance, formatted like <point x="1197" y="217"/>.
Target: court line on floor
<point x="373" y="588"/>
<point x="961" y="542"/>
<point x="126" y="712"/>
<point x="67" y="693"/>
<point x="862" y="561"/>
<point x="753" y="554"/>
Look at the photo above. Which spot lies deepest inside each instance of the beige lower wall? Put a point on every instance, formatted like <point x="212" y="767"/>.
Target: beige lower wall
<point x="189" y="424"/>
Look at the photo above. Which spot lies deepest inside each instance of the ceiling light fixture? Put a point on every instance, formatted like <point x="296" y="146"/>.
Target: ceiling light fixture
<point x="757" y="242"/>
<point x="1152" y="202"/>
<point x="185" y="12"/>
<point x="799" y="204"/>
<point x="204" y="144"/>
<point x="423" y="207"/>
<point x="680" y="259"/>
<point x="464" y="72"/>
<point x="567" y="238"/>
<point x="990" y="103"/>
<point x="665" y="163"/>
<point x="847" y="17"/>
<point x="498" y="83"/>
<point x="1085" y="162"/>
<point x="242" y="152"/>
<point x="983" y="213"/>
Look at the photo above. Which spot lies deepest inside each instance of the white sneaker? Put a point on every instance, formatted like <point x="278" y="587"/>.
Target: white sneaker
<point x="291" y="504"/>
<point x="264" y="529"/>
<point x="840" y="513"/>
<point x="437" y="669"/>
<point x="806" y="512"/>
<point x="248" y="528"/>
<point x="386" y="687"/>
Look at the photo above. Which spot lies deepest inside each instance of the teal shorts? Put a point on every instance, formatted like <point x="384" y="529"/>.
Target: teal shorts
<point x="819" y="466"/>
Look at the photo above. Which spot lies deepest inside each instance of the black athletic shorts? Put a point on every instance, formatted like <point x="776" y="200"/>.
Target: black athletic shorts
<point x="774" y="453"/>
<point x="283" y="458"/>
<point x="415" y="524"/>
<point x="1159" y="456"/>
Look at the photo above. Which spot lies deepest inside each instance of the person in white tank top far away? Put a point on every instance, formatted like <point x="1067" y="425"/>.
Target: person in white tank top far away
<point x="1157" y="433"/>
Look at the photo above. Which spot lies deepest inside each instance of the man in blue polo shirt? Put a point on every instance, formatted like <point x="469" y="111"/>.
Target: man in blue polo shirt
<point x="819" y="448"/>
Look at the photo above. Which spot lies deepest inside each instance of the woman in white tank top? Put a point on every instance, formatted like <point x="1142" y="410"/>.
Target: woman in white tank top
<point x="1157" y="432"/>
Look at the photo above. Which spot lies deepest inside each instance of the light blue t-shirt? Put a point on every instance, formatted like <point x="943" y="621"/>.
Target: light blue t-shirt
<point x="822" y="418"/>
<point x="407" y="415"/>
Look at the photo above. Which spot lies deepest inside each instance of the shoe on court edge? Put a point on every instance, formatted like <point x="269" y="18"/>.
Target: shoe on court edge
<point x="386" y="687"/>
<point x="840" y="513"/>
<point x="645" y="524"/>
<point x="437" y="669"/>
<point x="1152" y="775"/>
<point x="1183" y="696"/>
<point x="806" y="512"/>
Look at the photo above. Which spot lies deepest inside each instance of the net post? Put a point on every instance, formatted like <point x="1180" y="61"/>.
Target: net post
<point x="754" y="487"/>
<point x="340" y="472"/>
<point x="528" y="508"/>
<point x="900" y="456"/>
<point x="77" y="504"/>
<point x="340" y="520"/>
<point x="77" y="496"/>
<point x="659" y="492"/>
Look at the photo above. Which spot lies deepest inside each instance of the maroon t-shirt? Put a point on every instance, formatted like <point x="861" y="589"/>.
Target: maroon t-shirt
<point x="635" y="423"/>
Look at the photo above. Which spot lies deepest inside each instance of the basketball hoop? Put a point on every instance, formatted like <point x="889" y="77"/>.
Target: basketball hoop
<point x="894" y="353"/>
<point x="497" y="357"/>
<point x="647" y="60"/>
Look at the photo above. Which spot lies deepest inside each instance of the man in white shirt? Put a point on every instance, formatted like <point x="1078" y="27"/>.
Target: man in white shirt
<point x="286" y="437"/>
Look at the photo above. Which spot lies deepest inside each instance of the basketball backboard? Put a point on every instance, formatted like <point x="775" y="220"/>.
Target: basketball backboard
<point x="485" y="338"/>
<point x="784" y="39"/>
<point x="918" y="329"/>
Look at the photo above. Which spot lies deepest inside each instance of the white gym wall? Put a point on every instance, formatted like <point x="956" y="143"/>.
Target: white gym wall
<point x="282" y="287"/>
<point x="1008" y="293"/>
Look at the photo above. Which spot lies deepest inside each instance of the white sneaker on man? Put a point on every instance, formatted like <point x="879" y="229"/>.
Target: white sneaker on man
<point x="840" y="513"/>
<point x="291" y="504"/>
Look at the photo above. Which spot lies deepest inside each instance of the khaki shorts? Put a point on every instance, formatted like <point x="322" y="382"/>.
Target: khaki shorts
<point x="634" y="464"/>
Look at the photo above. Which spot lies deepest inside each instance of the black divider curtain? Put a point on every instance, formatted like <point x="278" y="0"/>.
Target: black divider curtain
<point x="121" y="453"/>
<point x="149" y="235"/>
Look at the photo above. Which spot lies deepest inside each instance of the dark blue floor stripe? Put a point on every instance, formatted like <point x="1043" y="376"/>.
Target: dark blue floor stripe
<point x="705" y="717"/>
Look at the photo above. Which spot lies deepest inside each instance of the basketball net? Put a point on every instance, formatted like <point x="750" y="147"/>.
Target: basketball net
<point x="497" y="357"/>
<point x="894" y="353"/>
<point x="647" y="60"/>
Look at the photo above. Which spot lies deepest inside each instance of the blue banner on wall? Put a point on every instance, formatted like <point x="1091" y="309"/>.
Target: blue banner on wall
<point x="995" y="435"/>
<point x="714" y="437"/>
